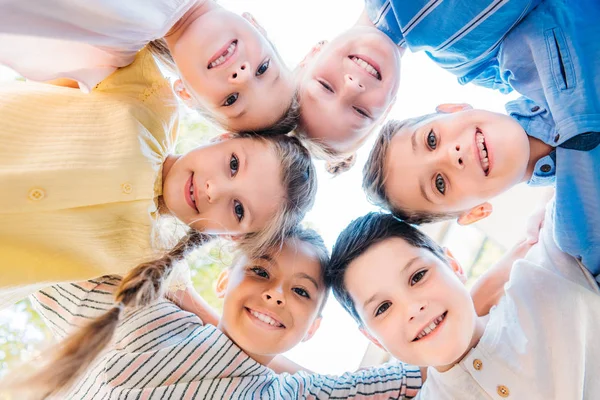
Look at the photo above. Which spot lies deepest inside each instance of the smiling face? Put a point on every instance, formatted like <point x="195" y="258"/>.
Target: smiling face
<point x="232" y="186"/>
<point x="232" y="71"/>
<point x="412" y="303"/>
<point x="347" y="85"/>
<point x="454" y="162"/>
<point x="271" y="304"/>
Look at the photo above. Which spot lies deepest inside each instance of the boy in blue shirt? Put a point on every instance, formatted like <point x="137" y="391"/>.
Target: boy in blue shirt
<point x="469" y="156"/>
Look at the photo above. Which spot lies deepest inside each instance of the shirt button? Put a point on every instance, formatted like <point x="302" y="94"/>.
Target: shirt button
<point x="36" y="194"/>
<point x="556" y="138"/>
<point x="477" y="364"/>
<point x="546" y="168"/>
<point x="535" y="108"/>
<point x="127" y="188"/>
<point x="502" y="391"/>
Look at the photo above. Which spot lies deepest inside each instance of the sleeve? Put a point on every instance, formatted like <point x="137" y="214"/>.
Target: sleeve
<point x="68" y="306"/>
<point x="383" y="16"/>
<point x="394" y="380"/>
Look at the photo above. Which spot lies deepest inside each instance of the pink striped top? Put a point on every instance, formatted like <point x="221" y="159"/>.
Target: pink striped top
<point x="163" y="352"/>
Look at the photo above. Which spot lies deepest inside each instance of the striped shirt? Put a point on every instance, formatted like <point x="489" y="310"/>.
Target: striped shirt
<point x="461" y="36"/>
<point x="163" y="352"/>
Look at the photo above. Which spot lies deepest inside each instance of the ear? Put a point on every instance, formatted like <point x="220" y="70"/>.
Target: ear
<point x="313" y="52"/>
<point x="222" y="137"/>
<point x="250" y="18"/>
<point x="449" y="108"/>
<point x="475" y="214"/>
<point x="222" y="282"/>
<point x="313" y="329"/>
<point x="370" y="337"/>
<point x="456" y="267"/>
<point x="182" y="92"/>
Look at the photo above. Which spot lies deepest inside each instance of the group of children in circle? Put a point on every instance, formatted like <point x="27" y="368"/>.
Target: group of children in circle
<point x="104" y="165"/>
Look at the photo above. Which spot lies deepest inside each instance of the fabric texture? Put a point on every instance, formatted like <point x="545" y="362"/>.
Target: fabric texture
<point x="539" y="342"/>
<point x="93" y="37"/>
<point x="163" y="352"/>
<point x="81" y="174"/>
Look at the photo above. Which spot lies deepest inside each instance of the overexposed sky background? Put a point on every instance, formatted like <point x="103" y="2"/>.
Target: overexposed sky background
<point x="294" y="27"/>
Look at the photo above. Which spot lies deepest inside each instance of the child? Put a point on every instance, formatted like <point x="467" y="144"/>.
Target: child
<point x="409" y="298"/>
<point x="229" y="70"/>
<point x="447" y="165"/>
<point x="271" y="303"/>
<point x="347" y="86"/>
<point x="82" y="194"/>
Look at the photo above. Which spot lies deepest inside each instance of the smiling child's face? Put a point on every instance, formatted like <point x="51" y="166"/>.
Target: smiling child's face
<point x="232" y="71"/>
<point x="272" y="304"/>
<point x="346" y="86"/>
<point x="412" y="303"/>
<point x="439" y="165"/>
<point x="232" y="186"/>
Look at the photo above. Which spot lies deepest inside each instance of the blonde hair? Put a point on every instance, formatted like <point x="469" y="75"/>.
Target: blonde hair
<point x="145" y="283"/>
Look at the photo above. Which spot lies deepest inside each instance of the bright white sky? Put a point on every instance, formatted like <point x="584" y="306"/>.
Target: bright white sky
<point x="294" y="27"/>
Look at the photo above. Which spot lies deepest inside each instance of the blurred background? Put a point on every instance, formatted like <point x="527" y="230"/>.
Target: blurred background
<point x="294" y="27"/>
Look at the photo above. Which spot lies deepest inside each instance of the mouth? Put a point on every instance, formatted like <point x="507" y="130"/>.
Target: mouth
<point x="482" y="151"/>
<point x="368" y="65"/>
<point x="431" y="327"/>
<point x="188" y="193"/>
<point x="223" y="55"/>
<point x="264" y="320"/>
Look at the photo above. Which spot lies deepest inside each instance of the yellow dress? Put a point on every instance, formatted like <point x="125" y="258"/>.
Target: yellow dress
<point x="79" y="176"/>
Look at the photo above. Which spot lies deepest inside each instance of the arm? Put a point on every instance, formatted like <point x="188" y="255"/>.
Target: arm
<point x="65" y="82"/>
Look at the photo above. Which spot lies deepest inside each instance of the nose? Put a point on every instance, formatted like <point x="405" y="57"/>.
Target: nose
<point x="215" y="190"/>
<point x="416" y="309"/>
<point x="241" y="73"/>
<point x="274" y="295"/>
<point x="455" y="156"/>
<point x="353" y="84"/>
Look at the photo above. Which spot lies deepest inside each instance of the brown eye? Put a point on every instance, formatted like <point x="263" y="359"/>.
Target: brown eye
<point x="440" y="185"/>
<point x="416" y="278"/>
<point x="232" y="98"/>
<point x="382" y="308"/>
<point x="263" y="68"/>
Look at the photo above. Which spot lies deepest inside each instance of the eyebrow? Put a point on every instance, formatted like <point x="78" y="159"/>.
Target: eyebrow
<point x="303" y="275"/>
<point x="406" y="266"/>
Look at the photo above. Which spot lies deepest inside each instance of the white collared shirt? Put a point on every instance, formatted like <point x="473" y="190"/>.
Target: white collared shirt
<point x="542" y="340"/>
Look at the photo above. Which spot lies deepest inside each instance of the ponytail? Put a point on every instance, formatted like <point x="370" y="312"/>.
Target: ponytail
<point x="140" y="287"/>
<point x="160" y="50"/>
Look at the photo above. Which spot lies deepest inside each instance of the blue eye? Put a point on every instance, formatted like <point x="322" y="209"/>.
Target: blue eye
<point x="234" y="165"/>
<point x="301" y="292"/>
<point x="259" y="271"/>
<point x="238" y="210"/>
<point x="440" y="184"/>
<point x="382" y="308"/>
<point x="431" y="140"/>
<point x="263" y="68"/>
<point x="232" y="98"/>
<point x="416" y="278"/>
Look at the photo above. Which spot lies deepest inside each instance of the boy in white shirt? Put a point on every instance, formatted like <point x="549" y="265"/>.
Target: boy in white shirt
<point x="409" y="298"/>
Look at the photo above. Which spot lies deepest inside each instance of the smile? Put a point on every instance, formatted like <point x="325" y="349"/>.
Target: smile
<point x="223" y="55"/>
<point x="482" y="151"/>
<point x="433" y="325"/>
<point x="265" y="319"/>
<point x="367" y="66"/>
<point x="188" y="193"/>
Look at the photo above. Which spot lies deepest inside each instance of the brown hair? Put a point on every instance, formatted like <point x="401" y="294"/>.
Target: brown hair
<point x="374" y="175"/>
<point x="145" y="283"/>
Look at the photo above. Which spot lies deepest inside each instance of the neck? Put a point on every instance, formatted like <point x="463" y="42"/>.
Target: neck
<point x="364" y="20"/>
<point x="200" y="8"/>
<point x="537" y="150"/>
<point x="480" y="325"/>
<point x="261" y="359"/>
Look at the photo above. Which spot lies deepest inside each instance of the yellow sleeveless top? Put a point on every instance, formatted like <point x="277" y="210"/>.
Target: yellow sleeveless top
<point x="80" y="175"/>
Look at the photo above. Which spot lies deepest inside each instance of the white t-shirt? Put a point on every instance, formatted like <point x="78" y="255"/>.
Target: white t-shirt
<point x="83" y="40"/>
<point x="542" y="340"/>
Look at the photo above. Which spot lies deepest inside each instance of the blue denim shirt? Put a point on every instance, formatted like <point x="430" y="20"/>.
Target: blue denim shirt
<point x="574" y="168"/>
<point x="461" y="36"/>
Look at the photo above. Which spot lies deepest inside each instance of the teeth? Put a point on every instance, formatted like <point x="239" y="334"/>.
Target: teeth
<point x="485" y="162"/>
<point x="223" y="56"/>
<point x="192" y="193"/>
<point x="431" y="327"/>
<point x="366" y="66"/>
<point x="265" y="318"/>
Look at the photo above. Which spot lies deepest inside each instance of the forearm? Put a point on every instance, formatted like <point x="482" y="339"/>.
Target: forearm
<point x="281" y="364"/>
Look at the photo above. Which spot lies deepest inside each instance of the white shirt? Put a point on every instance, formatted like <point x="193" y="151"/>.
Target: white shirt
<point x="83" y="40"/>
<point x="542" y="340"/>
